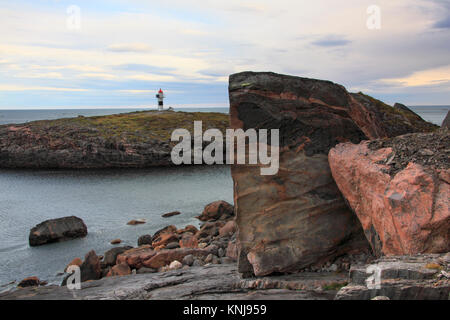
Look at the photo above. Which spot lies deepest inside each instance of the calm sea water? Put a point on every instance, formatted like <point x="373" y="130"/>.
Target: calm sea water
<point x="106" y="200"/>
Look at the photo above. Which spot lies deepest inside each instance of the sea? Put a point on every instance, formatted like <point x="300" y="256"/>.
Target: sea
<point x="105" y="199"/>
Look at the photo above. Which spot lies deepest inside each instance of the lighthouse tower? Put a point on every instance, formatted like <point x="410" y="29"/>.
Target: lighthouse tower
<point x="160" y="96"/>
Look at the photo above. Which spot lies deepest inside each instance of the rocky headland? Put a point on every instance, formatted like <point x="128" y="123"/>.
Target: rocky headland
<point x="358" y="210"/>
<point x="128" y="140"/>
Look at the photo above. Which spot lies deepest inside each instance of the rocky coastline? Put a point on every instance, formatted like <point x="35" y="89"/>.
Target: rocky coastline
<point x="358" y="210"/>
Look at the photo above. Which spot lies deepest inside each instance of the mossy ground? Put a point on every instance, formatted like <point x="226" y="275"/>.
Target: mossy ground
<point x="137" y="126"/>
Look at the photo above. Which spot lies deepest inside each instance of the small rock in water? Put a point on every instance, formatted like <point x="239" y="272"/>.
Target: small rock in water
<point x="29" y="282"/>
<point x="135" y="222"/>
<point x="171" y="214"/>
<point x="116" y="241"/>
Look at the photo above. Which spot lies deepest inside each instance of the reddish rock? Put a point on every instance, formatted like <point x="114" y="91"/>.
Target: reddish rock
<point x="209" y="229"/>
<point x="116" y="241"/>
<point x="163" y="239"/>
<point x="188" y="228"/>
<point x="171" y="214"/>
<point x="217" y="210"/>
<point x="111" y="255"/>
<point x="228" y="229"/>
<point x="57" y="230"/>
<point x="29" y="282"/>
<point x="75" y="262"/>
<point x="188" y="240"/>
<point x="119" y="270"/>
<point x="134" y="258"/>
<point x="135" y="222"/>
<point x="165" y="257"/>
<point x="91" y="268"/>
<point x="169" y="229"/>
<point x="403" y="213"/>
<point x="297" y="217"/>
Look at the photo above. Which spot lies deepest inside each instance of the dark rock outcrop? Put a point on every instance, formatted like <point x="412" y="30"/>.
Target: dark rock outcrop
<point x="29" y="282"/>
<point x="131" y="140"/>
<point x="298" y="217"/>
<point x="446" y="122"/>
<point x="56" y="230"/>
<point x="400" y="190"/>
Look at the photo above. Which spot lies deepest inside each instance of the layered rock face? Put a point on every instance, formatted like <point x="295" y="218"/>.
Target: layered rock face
<point x="57" y="230"/>
<point x="400" y="190"/>
<point x="298" y="217"/>
<point x="131" y="140"/>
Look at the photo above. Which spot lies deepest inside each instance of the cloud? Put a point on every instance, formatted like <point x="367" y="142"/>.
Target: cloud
<point x="331" y="41"/>
<point x="7" y="87"/>
<point x="130" y="47"/>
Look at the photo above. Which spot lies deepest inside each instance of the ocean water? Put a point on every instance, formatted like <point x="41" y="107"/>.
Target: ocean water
<point x="106" y="200"/>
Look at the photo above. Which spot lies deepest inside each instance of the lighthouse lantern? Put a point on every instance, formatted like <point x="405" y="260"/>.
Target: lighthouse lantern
<point x="160" y="96"/>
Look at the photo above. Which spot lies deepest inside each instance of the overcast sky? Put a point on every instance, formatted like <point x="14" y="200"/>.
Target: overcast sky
<point x="56" y="53"/>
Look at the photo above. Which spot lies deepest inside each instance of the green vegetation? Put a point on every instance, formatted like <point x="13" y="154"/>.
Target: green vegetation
<point x="134" y="126"/>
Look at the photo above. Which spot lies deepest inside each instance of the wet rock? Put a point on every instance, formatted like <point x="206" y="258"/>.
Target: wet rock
<point x="116" y="241"/>
<point x="135" y="222"/>
<point x="163" y="239"/>
<point x="91" y="268"/>
<point x="165" y="257"/>
<point x="189" y="228"/>
<point x="136" y="257"/>
<point x="110" y="256"/>
<point x="228" y="229"/>
<point x="119" y="270"/>
<point x="217" y="210"/>
<point x="29" y="282"/>
<point x="172" y="245"/>
<point x="75" y="262"/>
<point x="188" y="240"/>
<point x="145" y="239"/>
<point x="277" y="214"/>
<point x="171" y="214"/>
<point x="56" y="230"/>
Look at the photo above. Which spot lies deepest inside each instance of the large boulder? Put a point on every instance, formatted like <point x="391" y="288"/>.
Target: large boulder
<point x="110" y="256"/>
<point x="399" y="189"/>
<point x="56" y="230"/>
<point x="298" y="217"/>
<point x="217" y="210"/>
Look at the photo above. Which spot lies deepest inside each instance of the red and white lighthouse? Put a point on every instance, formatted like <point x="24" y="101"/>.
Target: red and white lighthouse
<point x="160" y="96"/>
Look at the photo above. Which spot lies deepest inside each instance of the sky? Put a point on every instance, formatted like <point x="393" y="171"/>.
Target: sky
<point x="115" y="53"/>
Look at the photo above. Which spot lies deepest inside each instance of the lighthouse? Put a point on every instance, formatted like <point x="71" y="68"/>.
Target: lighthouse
<point x="160" y="96"/>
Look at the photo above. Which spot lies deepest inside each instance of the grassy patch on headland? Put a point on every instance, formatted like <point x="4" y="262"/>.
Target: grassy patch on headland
<point x="136" y="126"/>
